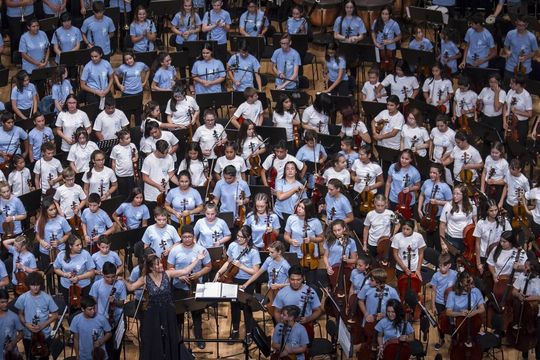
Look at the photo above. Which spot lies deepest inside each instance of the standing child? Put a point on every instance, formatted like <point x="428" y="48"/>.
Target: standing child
<point x="105" y="255"/>
<point x="20" y="178"/>
<point x="95" y="222"/>
<point x="38" y="136"/>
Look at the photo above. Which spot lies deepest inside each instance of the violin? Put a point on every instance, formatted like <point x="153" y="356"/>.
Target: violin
<point x="210" y="183"/>
<point x="94" y="244"/>
<point x="284" y="333"/>
<point x="464" y="345"/>
<point x="74" y="294"/>
<point x="271" y="293"/>
<point x="387" y="57"/>
<point x="520" y="68"/>
<point x="366" y="199"/>
<point x="75" y="221"/>
<point x="491" y="190"/>
<point x="338" y="280"/>
<point x="51" y="190"/>
<point x="308" y="260"/>
<point x="409" y="283"/>
<point x="38" y="344"/>
<point x="404" y="201"/>
<point x="296" y="132"/>
<point x="404" y="91"/>
<point x="230" y="272"/>
<point x="161" y="197"/>
<point x="241" y="211"/>
<point x="395" y="349"/>
<point x="183" y="220"/>
<point x="10" y="354"/>
<point x="429" y="220"/>
<point x="20" y="276"/>
<point x="379" y="125"/>
<point x="4" y="166"/>
<point x="97" y="352"/>
<point x="520" y="218"/>
<point x="512" y="123"/>
<point x="442" y="107"/>
<point x="268" y="237"/>
<point x="463" y="120"/>
<point x="53" y="250"/>
<point x="521" y="332"/>
<point x="163" y="258"/>
<point x="219" y="150"/>
<point x="466" y="175"/>
<point x="135" y="165"/>
<point x="111" y="309"/>
<point x="255" y="165"/>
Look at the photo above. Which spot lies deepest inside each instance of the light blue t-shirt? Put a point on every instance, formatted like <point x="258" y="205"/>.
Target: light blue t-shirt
<point x="12" y="207"/>
<point x="9" y="325"/>
<point x="66" y="39"/>
<point x="97" y="222"/>
<point x="134" y="215"/>
<point x="101" y="291"/>
<point x="160" y="239"/>
<point x="121" y="4"/>
<point x="389" y="32"/>
<point x="243" y="69"/>
<point x="164" y="78"/>
<point x="449" y="49"/>
<point x="97" y="32"/>
<point x="100" y="259"/>
<point x="518" y="43"/>
<point x="442" y="282"/>
<point x="36" y="309"/>
<point x="250" y="259"/>
<point x="35" y="46"/>
<point x="370" y="296"/>
<point x="336" y="250"/>
<point x="27" y="259"/>
<point x="296" y="336"/>
<point x="294" y="26"/>
<point x="131" y="77"/>
<point x="181" y="257"/>
<point x="285" y="63"/>
<point x="337" y="207"/>
<point x="88" y="329"/>
<point x="183" y="200"/>
<point x="184" y="22"/>
<point x="208" y="70"/>
<point x="276" y="269"/>
<point x="349" y="26"/>
<point x="208" y="233"/>
<point x="253" y="23"/>
<point x="10" y="140"/>
<point x="218" y="34"/>
<point x="78" y="265"/>
<point x="25" y="97"/>
<point x="138" y="29"/>
<point x="229" y="193"/>
<point x="258" y="227"/>
<point x="443" y="193"/>
<point x="398" y="181"/>
<point x="289" y="296"/>
<point x="459" y="303"/>
<point x="389" y="331"/>
<point x="479" y="45"/>
<point x="422" y="45"/>
<point x="287" y="206"/>
<point x="47" y="10"/>
<point x="60" y="92"/>
<point x="55" y="228"/>
<point x="298" y="230"/>
<point x="97" y="75"/>
<point x="334" y="66"/>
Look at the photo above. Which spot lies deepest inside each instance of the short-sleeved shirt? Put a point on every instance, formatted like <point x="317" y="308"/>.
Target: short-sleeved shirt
<point x="519" y="44"/>
<point x="277" y="270"/>
<point x="37" y="137"/>
<point x="441" y="282"/>
<point x="442" y="192"/>
<point x="405" y="177"/>
<point x="229" y="193"/>
<point x="97" y="32"/>
<point x="78" y="265"/>
<point x="61" y="91"/>
<point x="253" y="23"/>
<point x="100" y="259"/>
<point x="97" y="222"/>
<point x="349" y="26"/>
<point x="88" y="329"/>
<point x="449" y="49"/>
<point x="12" y="207"/>
<point x="390" y="331"/>
<point x="67" y="197"/>
<point x="10" y="325"/>
<point x="380" y="224"/>
<point x="55" y="228"/>
<point x="101" y="292"/>
<point x="24" y="97"/>
<point x="158" y="170"/>
<point x="459" y="303"/>
<point x="138" y="29"/>
<point x="208" y="233"/>
<point x="218" y="33"/>
<point x="160" y="239"/>
<point x="402" y="243"/>
<point x="394" y="122"/>
<point x="36" y="309"/>
<point x="337" y="207"/>
<point x="289" y="296"/>
<point x="184" y="22"/>
<point x="479" y="45"/>
<point x="370" y="296"/>
<point x="97" y="75"/>
<point x="131" y="77"/>
<point x="258" y="226"/>
<point x="134" y="214"/>
<point x="489" y="232"/>
<point x="249" y="259"/>
<point x="164" y="77"/>
<point x="243" y="69"/>
<point x="401" y="86"/>
<point x="27" y="259"/>
<point x="506" y="260"/>
<point x="456" y="221"/>
<point x="69" y="123"/>
<point x="334" y="65"/>
<point x="285" y="63"/>
<point x="181" y="257"/>
<point x="47" y="170"/>
<point x="296" y="336"/>
<point x="298" y="229"/>
<point x="389" y="32"/>
<point x="183" y="110"/>
<point x="34" y="46"/>
<point x="208" y="70"/>
<point x="183" y="200"/>
<point x="80" y="155"/>
<point x="335" y="251"/>
<point x="67" y="39"/>
<point x="10" y="140"/>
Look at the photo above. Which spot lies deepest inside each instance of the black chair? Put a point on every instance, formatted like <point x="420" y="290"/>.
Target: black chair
<point x="323" y="346"/>
<point x="491" y="343"/>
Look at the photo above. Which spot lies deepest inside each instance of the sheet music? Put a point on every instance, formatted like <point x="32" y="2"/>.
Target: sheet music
<point x="229" y="291"/>
<point x="216" y="290"/>
<point x="344" y="339"/>
<point x="119" y="333"/>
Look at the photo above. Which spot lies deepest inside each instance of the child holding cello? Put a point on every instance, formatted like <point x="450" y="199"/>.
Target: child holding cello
<point x="394" y="332"/>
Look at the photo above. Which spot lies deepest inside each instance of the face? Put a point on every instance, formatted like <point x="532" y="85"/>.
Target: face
<point x="155" y="112"/>
<point x="141" y="15"/>
<point x="341" y="163"/>
<point x="391" y="107"/>
<point x="210" y="214"/>
<point x="188" y="239"/>
<point x="138" y="199"/>
<point x="251" y="130"/>
<point x="9" y="124"/>
<point x="128" y="59"/>
<point x="183" y="182"/>
<point x="419" y="34"/>
<point x="285" y="44"/>
<point x="457" y="195"/>
<point x="407" y="230"/>
<point x="493" y="211"/>
<point x="188" y="6"/>
<point x="444" y="268"/>
<point x="104" y="248"/>
<point x="243" y="53"/>
<point x="206" y="54"/>
<point x="229" y="153"/>
<point x="51" y="211"/>
<point x="361" y="266"/>
<point x="34" y="28"/>
<point x="229" y="179"/>
<point x="94" y="207"/>
<point x="273" y="253"/>
<point x="82" y="138"/>
<point x="295" y="281"/>
<point x="209" y="121"/>
<point x="493" y="82"/>
<point x="301" y="210"/>
<point x="364" y="157"/>
<point x="390" y="313"/>
<point x="5" y="192"/>
<point x="66" y="24"/>
<point x="90" y="311"/>
<point x="521" y="26"/>
<point x="405" y="160"/>
<point x="241" y="239"/>
<point x="380" y="206"/>
<point x="35" y="289"/>
<point x="216" y="5"/>
<point x="441" y="126"/>
<point x="252" y="8"/>
<point x="280" y="153"/>
<point x="463" y="88"/>
<point x="95" y="57"/>
<point x="338" y="230"/>
<point x="296" y="13"/>
<point x="332" y="190"/>
<point x="20" y="164"/>
<point x="436" y="71"/>
<point x="71" y="104"/>
<point x="99" y="15"/>
<point x="40" y="122"/>
<point x="385" y="14"/>
<point x="109" y="279"/>
<point x="260" y="205"/>
<point x="48" y="154"/>
<point x="434" y="174"/>
<point x="99" y="160"/>
<point x="399" y="71"/>
<point x="166" y="61"/>
<point x="495" y="154"/>
<point x="349" y="8"/>
<point x="411" y="120"/>
<point x="76" y="247"/>
<point x="70" y="181"/>
<point x="126" y="139"/>
<point x="161" y="220"/>
<point x="193" y="154"/>
<point x="4" y="304"/>
<point x="287" y="104"/>
<point x="515" y="172"/>
<point x="461" y="144"/>
<point x="373" y="78"/>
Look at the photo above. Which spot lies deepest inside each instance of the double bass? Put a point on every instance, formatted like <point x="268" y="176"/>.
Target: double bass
<point x="404" y="200"/>
<point x="308" y="260"/>
<point x="429" y="220"/>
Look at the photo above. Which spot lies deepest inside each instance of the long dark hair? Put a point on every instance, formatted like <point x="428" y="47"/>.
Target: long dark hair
<point x="93" y="162"/>
<point x="323" y="104"/>
<point x="149" y="126"/>
<point x="466" y="205"/>
<point x="194" y="146"/>
<point x="19" y="80"/>
<point x="134" y="192"/>
<point x="247" y="233"/>
<point x="397" y="164"/>
<point x="379" y="22"/>
<point x="330" y="237"/>
<point x="71" y="240"/>
<point x="508" y="236"/>
<point x="43" y="215"/>
<point x="242" y="132"/>
<point x="279" y="104"/>
<point x="398" y="309"/>
<point x="177" y="88"/>
<point x="309" y="209"/>
<point x="296" y="167"/>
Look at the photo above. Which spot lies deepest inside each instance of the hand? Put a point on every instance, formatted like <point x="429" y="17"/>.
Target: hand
<point x="96" y="344"/>
<point x="406" y="190"/>
<point x="45" y="245"/>
<point x="403" y="338"/>
<point x="122" y="88"/>
<point x="74" y="279"/>
<point x="184" y="279"/>
<point x="281" y="76"/>
<point x="420" y="214"/>
<point x="462" y="65"/>
<point x="478" y="62"/>
<point x="295" y="243"/>
<point x="429" y="100"/>
<point x="217" y="243"/>
<point x="370" y="318"/>
<point x="303" y="320"/>
<point x="307" y="240"/>
<point x="83" y="11"/>
<point x="42" y="64"/>
<point x="8" y="219"/>
<point x="480" y="268"/>
<point x="185" y="213"/>
<point x="236" y="263"/>
<point x="365" y="247"/>
<point x="330" y="271"/>
<point x="419" y="274"/>
<point x="444" y="248"/>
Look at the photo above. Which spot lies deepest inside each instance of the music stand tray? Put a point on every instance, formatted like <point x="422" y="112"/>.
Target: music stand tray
<point x="4" y="77"/>
<point x="42" y="74"/>
<point x="180" y="59"/>
<point x="274" y="134"/>
<point x="31" y="199"/>
<point x="121" y="240"/>
<point x="420" y="14"/>
<point x="214" y="100"/>
<point x="195" y="47"/>
<point x="147" y="57"/>
<point x="418" y="57"/>
<point x="49" y="24"/>
<point x="255" y="44"/>
<point x="164" y="7"/>
<point x="387" y="154"/>
<point x="76" y="57"/>
<point x="129" y="102"/>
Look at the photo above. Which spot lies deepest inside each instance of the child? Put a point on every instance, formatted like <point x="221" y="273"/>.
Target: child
<point x="250" y="143"/>
<point x="369" y="90"/>
<point x="92" y="330"/>
<point x="312" y="152"/>
<point x="442" y="280"/>
<point x="408" y="243"/>
<point x="108" y="293"/>
<point x="278" y="160"/>
<point x="386" y="126"/>
<point x="515" y="188"/>
<point x="402" y="82"/>
<point x="48" y="170"/>
<point x="276" y="266"/>
<point x="38" y="136"/>
<point x="99" y="179"/>
<point x="414" y="135"/>
<point x="23" y="260"/>
<point x="494" y="173"/>
<point x="196" y="164"/>
<point x="161" y="237"/>
<point x="12" y="211"/>
<point x="165" y="76"/>
<point x="449" y="50"/>
<point x="97" y="30"/>
<point x="109" y="121"/>
<point x="250" y="109"/>
<point x="211" y="231"/>
<point x="378" y="292"/>
<point x="69" y="198"/>
<point x="61" y="85"/>
<point x="438" y="89"/>
<point x="378" y="223"/>
<point x="132" y="213"/>
<point x="37" y="309"/>
<point x="230" y="159"/>
<point x="297" y="24"/>
<point x="338" y="170"/>
<point x="20" y="178"/>
<point x="296" y="338"/>
<point x="419" y="42"/>
<point x="123" y="157"/>
<point x="95" y="222"/>
<point x="80" y="153"/>
<point x="464" y="101"/>
<point x="359" y="274"/>
<point x="11" y="324"/>
<point x="347" y="150"/>
<point x="105" y="255"/>
<point x="229" y="191"/>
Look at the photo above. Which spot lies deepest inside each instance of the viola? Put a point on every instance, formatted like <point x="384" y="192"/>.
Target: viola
<point x="442" y="107"/>
<point x="379" y="125"/>
<point x="340" y="280"/>
<point x="269" y="236"/>
<point x="20" y="276"/>
<point x="463" y="120"/>
<point x="387" y="57"/>
<point x="520" y="68"/>
<point x="409" y="283"/>
<point x="521" y="332"/>
<point x="219" y="150"/>
<point x="230" y="272"/>
<point x="241" y="211"/>
<point x="491" y="190"/>
<point x="7" y="227"/>
<point x="75" y="221"/>
<point x="161" y="197"/>
<point x="308" y="260"/>
<point x="466" y="175"/>
<point x="512" y="123"/>
<point x="521" y="217"/>
<point x="255" y="165"/>
<point x="272" y="177"/>
<point x="4" y="166"/>
<point x="366" y="199"/>
<point x="404" y="200"/>
<point x="111" y="309"/>
<point x="74" y="294"/>
<point x="38" y="345"/>
<point x="271" y="294"/>
<point x="53" y="250"/>
<point x="429" y="220"/>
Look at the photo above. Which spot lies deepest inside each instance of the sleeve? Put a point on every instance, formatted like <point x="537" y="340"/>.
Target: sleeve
<point x="444" y="213"/>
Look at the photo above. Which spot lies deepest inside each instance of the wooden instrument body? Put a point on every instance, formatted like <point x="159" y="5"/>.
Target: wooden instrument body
<point x="340" y="284"/>
<point x="255" y="165"/>
<point x="470" y="249"/>
<point x="241" y="212"/>
<point x="21" y="287"/>
<point x="383" y="248"/>
<point x="324" y="14"/>
<point x="296" y="135"/>
<point x="366" y="202"/>
<point x="160" y="200"/>
<point x="520" y="218"/>
<point x="354" y="319"/>
<point x="38" y="345"/>
<point x="429" y="220"/>
<point x="75" y="296"/>
<point x="309" y="260"/>
<point x="396" y="350"/>
<point x="466" y="333"/>
<point x="272" y="177"/>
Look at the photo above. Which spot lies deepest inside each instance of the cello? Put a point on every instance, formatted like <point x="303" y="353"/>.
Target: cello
<point x="308" y="260"/>
<point x="404" y="201"/>
<point x="409" y="283"/>
<point x="38" y="344"/>
<point x="366" y="198"/>
<point x="369" y="347"/>
<point x="97" y="352"/>
<point x="387" y="57"/>
<point x="396" y="349"/>
<point x="271" y="293"/>
<point x="340" y="280"/>
<point x="469" y="254"/>
<point x="521" y="332"/>
<point x="284" y="336"/>
<point x="429" y="220"/>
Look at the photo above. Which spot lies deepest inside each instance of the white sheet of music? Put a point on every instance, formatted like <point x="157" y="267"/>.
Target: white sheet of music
<point x="344" y="338"/>
<point x="229" y="291"/>
<point x="119" y="334"/>
<point x="215" y="290"/>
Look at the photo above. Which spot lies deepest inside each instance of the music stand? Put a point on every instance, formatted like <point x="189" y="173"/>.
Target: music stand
<point x="232" y="134"/>
<point x="4" y="77"/>
<point x="367" y="53"/>
<point x="180" y="59"/>
<point x="163" y="7"/>
<point x="256" y="189"/>
<point x="255" y="44"/>
<point x="129" y="102"/>
<point x="387" y="154"/>
<point x="110" y="205"/>
<point x="161" y="97"/>
<point x="479" y="76"/>
<point x="215" y="100"/>
<point x="92" y="110"/>
<point x="300" y="98"/>
<point x="533" y="86"/>
<point x="341" y="102"/>
<point x="76" y="57"/>
<point x="49" y="24"/>
<point x="113" y="13"/>
<point x="372" y="109"/>
<point x="42" y="74"/>
<point x="274" y="134"/>
<point x="126" y="239"/>
<point x="426" y="15"/>
<point x="228" y="217"/>
<point x="147" y="57"/>
<point x="418" y="57"/>
<point x="194" y="48"/>
<point x="30" y="200"/>
<point x="183" y="306"/>
<point x="331" y="143"/>
<point x="292" y="258"/>
<point x="430" y="110"/>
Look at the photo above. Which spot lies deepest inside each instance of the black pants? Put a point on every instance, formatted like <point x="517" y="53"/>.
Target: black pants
<point x="114" y="354"/>
<point x="137" y="113"/>
<point x="125" y="185"/>
<point x="342" y="89"/>
<point x="16" y="29"/>
<point x="236" y="307"/>
<point x="27" y="344"/>
<point x="179" y="294"/>
<point x="494" y="122"/>
<point x="151" y="206"/>
<point x="440" y="309"/>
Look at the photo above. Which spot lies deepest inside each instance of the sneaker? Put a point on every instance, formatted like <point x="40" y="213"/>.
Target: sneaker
<point x="235" y="335"/>
<point x="201" y="344"/>
<point x="439" y="345"/>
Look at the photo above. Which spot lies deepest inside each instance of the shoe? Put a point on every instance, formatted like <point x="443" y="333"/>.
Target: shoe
<point x="235" y="335"/>
<point x="201" y="344"/>
<point x="439" y="345"/>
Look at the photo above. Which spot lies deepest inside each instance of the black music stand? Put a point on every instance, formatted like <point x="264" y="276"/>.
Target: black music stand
<point x="232" y="134"/>
<point x="418" y="57"/>
<point x="255" y="44"/>
<point x="419" y="14"/>
<point x="107" y="145"/>
<point x="299" y="42"/>
<point x="332" y="143"/>
<point x="163" y="7"/>
<point x="180" y="59"/>
<point x="479" y="76"/>
<point x="387" y="154"/>
<point x="30" y="200"/>
<point x="255" y="189"/>
<point x="161" y="97"/>
<point x="292" y="258"/>
<point x="126" y="239"/>
<point x="430" y="110"/>
<point x="49" y="24"/>
<point x="228" y="217"/>
<point x="367" y="53"/>
<point x="110" y="205"/>
<point x="274" y="134"/>
<point x="372" y="109"/>
<point x="42" y="74"/>
<point x="129" y="102"/>
<point x="147" y="57"/>
<point x="341" y="102"/>
<point x="350" y="52"/>
<point x="194" y="48"/>
<point x="533" y="86"/>
<point x="423" y="164"/>
<point x="214" y="100"/>
<point x="300" y="98"/>
<point x="4" y="77"/>
<point x="76" y="57"/>
<point x="92" y="110"/>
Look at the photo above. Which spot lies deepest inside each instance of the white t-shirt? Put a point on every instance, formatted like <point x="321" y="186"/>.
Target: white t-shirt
<point x="279" y="164"/>
<point x="100" y="181"/>
<point x="196" y="170"/>
<point x="534" y="194"/>
<point x="395" y="121"/>
<point x="466" y="101"/>
<point x="148" y="144"/>
<point x="207" y="137"/>
<point x="349" y="130"/>
<point x="487" y="97"/>
<point x="70" y="122"/>
<point x="47" y="169"/>
<point x="506" y="261"/>
<point x="238" y="162"/>
<point x="109" y="125"/>
<point x="122" y="155"/>
<point x="515" y="184"/>
<point x="158" y="170"/>
<point x="402" y="87"/>
<point x="249" y="111"/>
<point x="417" y="135"/>
<point x="18" y="180"/>
<point x="379" y="225"/>
<point x="489" y="233"/>
<point x="457" y="221"/>
<point x="437" y="90"/>
<point x="370" y="94"/>
<point x="365" y="172"/>
<point x="250" y="146"/>
<point x="344" y="175"/>
<point x="285" y="121"/>
<point x="533" y="288"/>
<point x="523" y="102"/>
<point x="402" y="243"/>
<point x="80" y="155"/>
<point x="312" y="117"/>
<point x="66" y="196"/>
<point x="473" y="157"/>
<point x="442" y="140"/>
<point x="500" y="168"/>
<point x="183" y="108"/>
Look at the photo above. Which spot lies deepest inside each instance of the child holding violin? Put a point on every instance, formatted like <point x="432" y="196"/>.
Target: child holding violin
<point x="105" y="254"/>
<point x="392" y="331"/>
<point x="251" y="109"/>
<point x="379" y="223"/>
<point x="408" y="250"/>
<point x="414" y="135"/>
<point x="69" y="197"/>
<point x="12" y="211"/>
<point x="513" y="192"/>
<point x="95" y="222"/>
<point x="339" y="251"/>
<point x="289" y="191"/>
<point x="275" y="163"/>
<point x="232" y="193"/>
<point x="161" y="237"/>
<point x="11" y="324"/>
<point x="132" y="213"/>
<point x="245" y="257"/>
<point x="337" y="170"/>
<point x="403" y="178"/>
<point x="23" y="261"/>
<point x="336" y="204"/>
<point x="276" y="266"/>
<point x="465" y="158"/>
<point x="211" y="231"/>
<point x="402" y="82"/>
<point x="290" y="338"/>
<point x="495" y="172"/>
<point x="438" y="89"/>
<point x="386" y="126"/>
<point x="386" y="34"/>
<point x="442" y="283"/>
<point x="519" y="104"/>
<point x="210" y="135"/>
<point x="455" y="216"/>
<point x="464" y="104"/>
<point x="263" y="222"/>
<point x="251" y="147"/>
<point x="366" y="174"/>
<point x="232" y="158"/>
<point x="312" y="153"/>
<point x="37" y="311"/>
<point x="183" y="201"/>
<point x="488" y="231"/>
<point x="196" y="164"/>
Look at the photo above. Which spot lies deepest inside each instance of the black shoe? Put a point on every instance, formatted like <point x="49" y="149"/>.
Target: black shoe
<point x="235" y="335"/>
<point x="201" y="344"/>
<point x="439" y="345"/>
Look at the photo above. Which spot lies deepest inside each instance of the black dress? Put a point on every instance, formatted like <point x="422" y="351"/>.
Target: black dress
<point x="159" y="331"/>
